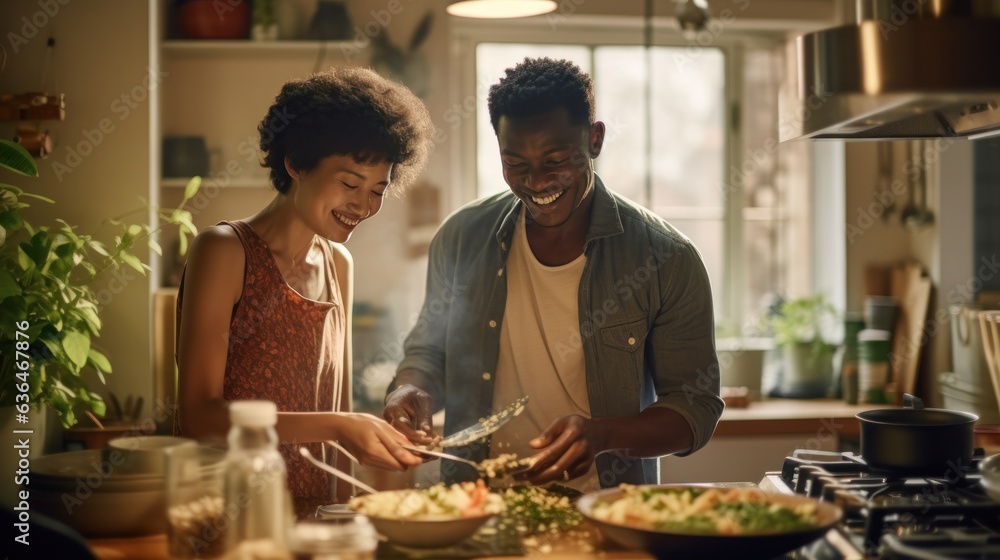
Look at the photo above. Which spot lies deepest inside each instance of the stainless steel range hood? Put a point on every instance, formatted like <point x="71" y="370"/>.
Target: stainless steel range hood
<point x="908" y="69"/>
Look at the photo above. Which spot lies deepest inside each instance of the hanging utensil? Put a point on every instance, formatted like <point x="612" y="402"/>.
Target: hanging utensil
<point x="484" y="428"/>
<point x="883" y="192"/>
<point x="910" y="211"/>
<point x="336" y="472"/>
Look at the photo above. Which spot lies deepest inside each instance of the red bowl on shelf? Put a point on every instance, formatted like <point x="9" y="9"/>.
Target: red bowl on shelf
<point x="211" y="19"/>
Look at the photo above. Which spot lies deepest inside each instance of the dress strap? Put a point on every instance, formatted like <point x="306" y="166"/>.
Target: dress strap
<point x="258" y="254"/>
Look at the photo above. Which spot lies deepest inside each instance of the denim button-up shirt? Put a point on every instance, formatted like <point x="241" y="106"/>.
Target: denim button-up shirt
<point x="645" y="311"/>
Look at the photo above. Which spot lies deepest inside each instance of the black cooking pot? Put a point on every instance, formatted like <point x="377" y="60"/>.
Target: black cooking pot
<point x="916" y="441"/>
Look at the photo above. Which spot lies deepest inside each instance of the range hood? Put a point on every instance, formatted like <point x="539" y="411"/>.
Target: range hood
<point x="907" y="69"/>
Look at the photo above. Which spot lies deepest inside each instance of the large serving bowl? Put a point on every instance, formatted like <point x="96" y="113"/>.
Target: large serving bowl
<point x="409" y="527"/>
<point x="665" y="544"/>
<point x="96" y="496"/>
<point x="428" y="533"/>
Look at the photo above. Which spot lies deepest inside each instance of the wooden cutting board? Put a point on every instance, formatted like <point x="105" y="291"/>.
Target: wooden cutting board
<point x="912" y="290"/>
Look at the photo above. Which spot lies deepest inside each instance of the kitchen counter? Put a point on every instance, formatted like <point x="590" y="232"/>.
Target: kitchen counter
<point x="793" y="416"/>
<point x="154" y="547"/>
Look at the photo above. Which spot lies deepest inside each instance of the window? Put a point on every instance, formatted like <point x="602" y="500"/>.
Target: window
<point x="722" y="184"/>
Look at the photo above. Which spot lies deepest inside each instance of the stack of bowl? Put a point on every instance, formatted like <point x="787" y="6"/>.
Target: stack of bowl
<point x="105" y="493"/>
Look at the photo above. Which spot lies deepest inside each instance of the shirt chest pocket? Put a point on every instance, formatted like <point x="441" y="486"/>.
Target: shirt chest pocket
<point x="622" y="350"/>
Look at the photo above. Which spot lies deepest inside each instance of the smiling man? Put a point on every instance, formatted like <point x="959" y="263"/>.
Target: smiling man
<point x="566" y="292"/>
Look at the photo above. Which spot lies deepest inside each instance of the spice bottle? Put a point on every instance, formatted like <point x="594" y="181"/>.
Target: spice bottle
<point x="873" y="365"/>
<point x="256" y="487"/>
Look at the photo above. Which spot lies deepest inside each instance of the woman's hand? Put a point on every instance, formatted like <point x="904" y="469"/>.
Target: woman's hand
<point x="374" y="442"/>
<point x="409" y="410"/>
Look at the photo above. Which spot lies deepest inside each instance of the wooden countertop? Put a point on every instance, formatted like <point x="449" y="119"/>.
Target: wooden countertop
<point x="793" y="416"/>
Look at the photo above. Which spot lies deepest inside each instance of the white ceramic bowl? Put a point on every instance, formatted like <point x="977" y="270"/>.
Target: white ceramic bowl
<point x="145" y="454"/>
<point x="419" y="533"/>
<point x="94" y="496"/>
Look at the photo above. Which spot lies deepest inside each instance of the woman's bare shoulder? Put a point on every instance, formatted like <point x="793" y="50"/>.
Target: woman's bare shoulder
<point x="217" y="242"/>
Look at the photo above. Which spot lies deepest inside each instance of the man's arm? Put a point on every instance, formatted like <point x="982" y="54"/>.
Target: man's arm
<point x="418" y="389"/>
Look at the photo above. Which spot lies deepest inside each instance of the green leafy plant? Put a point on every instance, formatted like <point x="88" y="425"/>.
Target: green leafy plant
<point x="804" y="321"/>
<point x="46" y="279"/>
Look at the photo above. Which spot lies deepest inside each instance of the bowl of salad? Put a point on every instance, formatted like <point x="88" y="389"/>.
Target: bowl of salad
<point x="433" y="517"/>
<point x="705" y="521"/>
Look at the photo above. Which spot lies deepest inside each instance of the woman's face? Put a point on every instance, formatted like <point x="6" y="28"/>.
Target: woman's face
<point x="338" y="194"/>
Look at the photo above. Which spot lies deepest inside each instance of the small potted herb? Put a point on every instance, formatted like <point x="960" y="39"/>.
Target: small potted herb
<point x="799" y="326"/>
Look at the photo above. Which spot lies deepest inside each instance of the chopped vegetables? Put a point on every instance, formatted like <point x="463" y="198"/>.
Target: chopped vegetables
<point x="438" y="502"/>
<point x="704" y="511"/>
<point x="532" y="510"/>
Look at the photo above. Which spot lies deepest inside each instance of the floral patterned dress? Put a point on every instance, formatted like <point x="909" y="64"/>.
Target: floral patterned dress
<point x="285" y="348"/>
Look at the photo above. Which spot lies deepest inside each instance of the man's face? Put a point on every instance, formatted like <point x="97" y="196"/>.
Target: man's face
<point x="548" y="163"/>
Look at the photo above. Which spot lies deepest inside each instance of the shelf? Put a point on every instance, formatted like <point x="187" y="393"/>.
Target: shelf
<point x="246" y="47"/>
<point x="234" y="183"/>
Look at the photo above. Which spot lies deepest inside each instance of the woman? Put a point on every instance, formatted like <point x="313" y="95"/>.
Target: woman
<point x="264" y="306"/>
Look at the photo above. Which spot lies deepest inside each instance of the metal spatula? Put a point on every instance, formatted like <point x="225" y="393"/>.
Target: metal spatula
<point x="484" y="428"/>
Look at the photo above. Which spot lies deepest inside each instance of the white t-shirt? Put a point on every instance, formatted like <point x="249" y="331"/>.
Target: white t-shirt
<point x="541" y="354"/>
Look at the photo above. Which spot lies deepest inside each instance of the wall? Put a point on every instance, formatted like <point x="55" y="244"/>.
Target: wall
<point x="944" y="248"/>
<point x="100" y="61"/>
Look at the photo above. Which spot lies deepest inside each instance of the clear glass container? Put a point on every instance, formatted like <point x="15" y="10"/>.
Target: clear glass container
<point x="256" y="479"/>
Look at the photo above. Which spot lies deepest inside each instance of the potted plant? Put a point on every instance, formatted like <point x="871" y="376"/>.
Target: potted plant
<point x="799" y="326"/>
<point x="49" y="314"/>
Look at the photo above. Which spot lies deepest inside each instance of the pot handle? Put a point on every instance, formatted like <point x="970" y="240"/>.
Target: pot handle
<point x="909" y="401"/>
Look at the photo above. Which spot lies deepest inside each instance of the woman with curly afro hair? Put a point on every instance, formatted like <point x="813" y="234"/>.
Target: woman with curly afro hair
<point x="265" y="302"/>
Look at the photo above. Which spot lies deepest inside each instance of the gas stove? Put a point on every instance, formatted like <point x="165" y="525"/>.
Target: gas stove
<point x="894" y="517"/>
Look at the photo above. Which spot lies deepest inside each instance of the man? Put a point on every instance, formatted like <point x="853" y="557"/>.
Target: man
<point x="562" y="290"/>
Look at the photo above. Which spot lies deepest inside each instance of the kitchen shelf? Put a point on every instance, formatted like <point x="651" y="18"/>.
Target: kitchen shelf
<point x="249" y="48"/>
<point x="234" y="182"/>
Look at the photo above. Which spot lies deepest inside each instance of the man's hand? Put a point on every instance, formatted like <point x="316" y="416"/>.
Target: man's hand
<point x="567" y="447"/>
<point x="409" y="410"/>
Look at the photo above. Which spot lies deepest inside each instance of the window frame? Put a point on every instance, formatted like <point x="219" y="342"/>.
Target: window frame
<point x="591" y="31"/>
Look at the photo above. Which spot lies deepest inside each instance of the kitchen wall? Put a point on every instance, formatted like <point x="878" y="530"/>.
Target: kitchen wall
<point x="101" y="164"/>
<point x="944" y="248"/>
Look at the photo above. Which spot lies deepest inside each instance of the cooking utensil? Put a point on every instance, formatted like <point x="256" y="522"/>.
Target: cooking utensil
<point x="336" y="472"/>
<point x="916" y="441"/>
<point x="667" y="544"/>
<point x="481" y="467"/>
<point x="912" y="289"/>
<point x="440" y="455"/>
<point x="484" y="428"/>
<point x="991" y="340"/>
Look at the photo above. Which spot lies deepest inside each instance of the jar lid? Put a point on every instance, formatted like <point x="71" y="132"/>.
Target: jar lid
<point x="873" y="335"/>
<point x="254" y="414"/>
<point x="312" y="537"/>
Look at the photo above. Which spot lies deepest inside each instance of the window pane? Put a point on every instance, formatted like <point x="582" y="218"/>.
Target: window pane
<point x="491" y="61"/>
<point x="618" y="78"/>
<point x="689" y="131"/>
